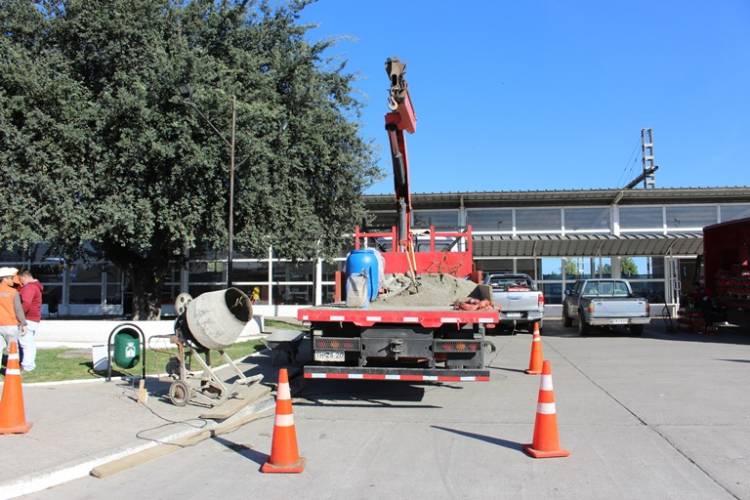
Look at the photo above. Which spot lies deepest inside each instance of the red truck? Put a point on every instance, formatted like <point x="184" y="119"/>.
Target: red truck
<point x="436" y="342"/>
<point x="722" y="282"/>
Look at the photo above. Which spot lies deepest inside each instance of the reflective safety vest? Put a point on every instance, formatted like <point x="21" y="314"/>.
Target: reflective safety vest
<point x="7" y="307"/>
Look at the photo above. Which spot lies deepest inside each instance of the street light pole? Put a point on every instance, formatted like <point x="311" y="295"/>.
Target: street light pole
<point x="230" y="249"/>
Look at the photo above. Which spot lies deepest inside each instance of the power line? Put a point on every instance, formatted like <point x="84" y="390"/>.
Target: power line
<point x="632" y="158"/>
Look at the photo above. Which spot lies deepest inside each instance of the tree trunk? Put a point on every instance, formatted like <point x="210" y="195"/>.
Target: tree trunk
<point x="147" y="287"/>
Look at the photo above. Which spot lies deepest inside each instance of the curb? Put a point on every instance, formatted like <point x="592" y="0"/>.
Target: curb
<point x="32" y="483"/>
<point x="53" y="383"/>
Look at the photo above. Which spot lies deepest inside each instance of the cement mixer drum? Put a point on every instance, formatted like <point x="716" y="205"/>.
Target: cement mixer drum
<point x="216" y="319"/>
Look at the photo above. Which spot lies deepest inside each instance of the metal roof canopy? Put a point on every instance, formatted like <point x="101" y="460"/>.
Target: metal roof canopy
<point x="588" y="245"/>
<point x="565" y="197"/>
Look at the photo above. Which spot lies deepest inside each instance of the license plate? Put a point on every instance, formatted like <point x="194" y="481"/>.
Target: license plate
<point x="329" y="356"/>
<point x="619" y="322"/>
<point x="513" y="315"/>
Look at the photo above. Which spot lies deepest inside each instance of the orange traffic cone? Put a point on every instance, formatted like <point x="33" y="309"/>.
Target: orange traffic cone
<point x="535" y="362"/>
<point x="12" y="414"/>
<point x="546" y="440"/>
<point x="284" y="454"/>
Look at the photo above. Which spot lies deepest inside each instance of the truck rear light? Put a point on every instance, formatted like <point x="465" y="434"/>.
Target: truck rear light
<point x="335" y="344"/>
<point x="591" y="308"/>
<point x="540" y="299"/>
<point x="456" y="346"/>
<point x="648" y="309"/>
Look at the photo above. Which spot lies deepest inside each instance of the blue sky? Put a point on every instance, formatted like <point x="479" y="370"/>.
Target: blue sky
<point x="553" y="94"/>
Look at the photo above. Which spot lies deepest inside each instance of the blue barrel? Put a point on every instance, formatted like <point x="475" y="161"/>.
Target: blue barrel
<point x="365" y="262"/>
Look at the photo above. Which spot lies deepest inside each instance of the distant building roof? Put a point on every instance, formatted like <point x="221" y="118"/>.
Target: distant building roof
<point x="573" y="245"/>
<point x="605" y="196"/>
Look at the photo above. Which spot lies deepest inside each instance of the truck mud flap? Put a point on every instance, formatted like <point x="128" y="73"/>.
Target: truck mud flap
<point x="401" y="374"/>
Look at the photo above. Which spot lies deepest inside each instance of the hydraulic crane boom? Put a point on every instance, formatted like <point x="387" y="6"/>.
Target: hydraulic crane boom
<point x="401" y="118"/>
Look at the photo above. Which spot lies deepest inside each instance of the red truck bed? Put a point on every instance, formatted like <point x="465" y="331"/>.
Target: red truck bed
<point x="428" y="317"/>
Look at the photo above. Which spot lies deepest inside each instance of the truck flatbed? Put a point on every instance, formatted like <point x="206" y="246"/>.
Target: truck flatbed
<point x="428" y="317"/>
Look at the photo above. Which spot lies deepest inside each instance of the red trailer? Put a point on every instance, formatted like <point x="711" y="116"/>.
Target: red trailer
<point x="722" y="288"/>
<point x="428" y="343"/>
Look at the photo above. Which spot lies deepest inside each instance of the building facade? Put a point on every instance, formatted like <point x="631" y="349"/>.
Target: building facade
<point x="650" y="237"/>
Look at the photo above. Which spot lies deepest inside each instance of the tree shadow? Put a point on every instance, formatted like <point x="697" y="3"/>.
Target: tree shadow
<point x="243" y="450"/>
<point x="481" y="437"/>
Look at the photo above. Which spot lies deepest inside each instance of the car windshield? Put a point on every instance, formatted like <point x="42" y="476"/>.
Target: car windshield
<point x="605" y="289"/>
<point x="506" y="283"/>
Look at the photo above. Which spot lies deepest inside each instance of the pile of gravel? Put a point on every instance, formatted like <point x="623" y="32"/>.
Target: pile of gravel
<point x="438" y="290"/>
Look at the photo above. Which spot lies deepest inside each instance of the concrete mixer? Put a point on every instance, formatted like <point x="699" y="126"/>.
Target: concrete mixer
<point x="211" y="321"/>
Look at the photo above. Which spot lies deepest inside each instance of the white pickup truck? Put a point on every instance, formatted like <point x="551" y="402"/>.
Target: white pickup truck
<point x="605" y="302"/>
<point x="519" y="300"/>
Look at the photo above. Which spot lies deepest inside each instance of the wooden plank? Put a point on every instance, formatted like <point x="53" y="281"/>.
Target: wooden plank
<point x="245" y="397"/>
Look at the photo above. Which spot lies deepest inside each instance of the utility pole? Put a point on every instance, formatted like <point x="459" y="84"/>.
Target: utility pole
<point x="647" y="154"/>
<point x="230" y="224"/>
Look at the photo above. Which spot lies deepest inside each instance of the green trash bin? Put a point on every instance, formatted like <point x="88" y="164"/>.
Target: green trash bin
<point x="127" y="348"/>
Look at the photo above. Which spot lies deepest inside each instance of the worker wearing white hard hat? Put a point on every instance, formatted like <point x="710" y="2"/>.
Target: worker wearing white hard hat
<point x="12" y="318"/>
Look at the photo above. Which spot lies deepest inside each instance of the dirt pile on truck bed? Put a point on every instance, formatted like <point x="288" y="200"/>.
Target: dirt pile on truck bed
<point x="436" y="290"/>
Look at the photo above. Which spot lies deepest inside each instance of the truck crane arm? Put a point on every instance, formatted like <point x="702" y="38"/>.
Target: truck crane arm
<point x="400" y="118"/>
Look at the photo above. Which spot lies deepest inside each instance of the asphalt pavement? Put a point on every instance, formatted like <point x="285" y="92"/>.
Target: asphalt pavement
<point x="658" y="416"/>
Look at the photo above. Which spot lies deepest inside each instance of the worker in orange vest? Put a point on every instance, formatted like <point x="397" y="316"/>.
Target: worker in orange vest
<point x="12" y="318"/>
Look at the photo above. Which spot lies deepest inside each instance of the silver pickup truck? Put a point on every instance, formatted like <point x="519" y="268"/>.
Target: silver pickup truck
<point x="519" y="300"/>
<point x="605" y="302"/>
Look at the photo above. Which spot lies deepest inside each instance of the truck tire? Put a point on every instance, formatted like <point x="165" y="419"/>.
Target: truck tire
<point x="583" y="327"/>
<point x="567" y="320"/>
<point x="636" y="330"/>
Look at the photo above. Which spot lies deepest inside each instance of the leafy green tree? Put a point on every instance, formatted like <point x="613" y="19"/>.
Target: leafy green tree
<point x="628" y="267"/>
<point x="571" y="268"/>
<point x="100" y="153"/>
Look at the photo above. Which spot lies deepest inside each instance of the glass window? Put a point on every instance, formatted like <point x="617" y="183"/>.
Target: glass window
<point x="495" y="265"/>
<point x="641" y="218"/>
<point x="52" y="296"/>
<point x="490" y="219"/>
<point x="651" y="290"/>
<point x="550" y="268"/>
<point x="587" y="218"/>
<point x="249" y="271"/>
<point x="329" y="294"/>
<point x="114" y="294"/>
<point x="206" y="272"/>
<point x="577" y="268"/>
<point x="196" y="290"/>
<point x="733" y="212"/>
<point x="330" y="268"/>
<point x="620" y="289"/>
<point x="538" y="219"/>
<point x="642" y="267"/>
<point x="86" y="273"/>
<point x="169" y="292"/>
<point x="512" y="283"/>
<point x="293" y="294"/>
<point x="443" y="220"/>
<point x="552" y="293"/>
<point x="85" y="294"/>
<point x="691" y="217"/>
<point x="259" y="291"/>
<point x="526" y="266"/>
<point x="48" y="272"/>
<point x="293" y="271"/>
<point x="382" y="220"/>
<point x="592" y="289"/>
<point x="602" y="267"/>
